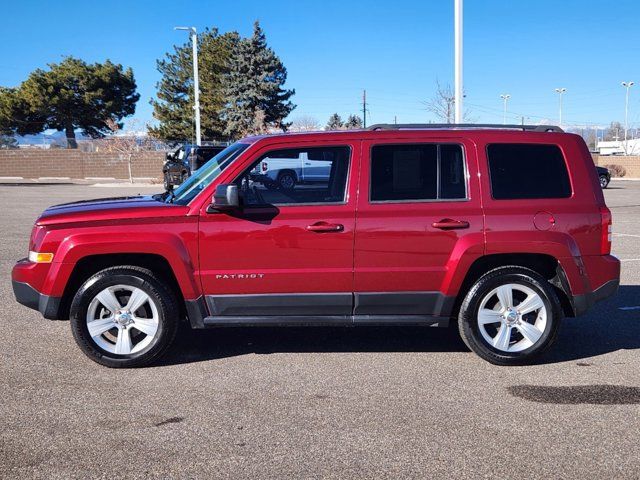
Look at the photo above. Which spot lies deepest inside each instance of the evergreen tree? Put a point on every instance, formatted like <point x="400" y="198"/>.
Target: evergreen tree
<point x="335" y="123"/>
<point x="71" y="94"/>
<point x="353" y="122"/>
<point x="173" y="107"/>
<point x="256" y="99"/>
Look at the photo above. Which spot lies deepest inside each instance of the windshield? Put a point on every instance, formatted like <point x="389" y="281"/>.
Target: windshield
<point x="207" y="174"/>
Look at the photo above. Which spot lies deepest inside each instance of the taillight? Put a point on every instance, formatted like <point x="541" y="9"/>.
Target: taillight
<point x="607" y="230"/>
<point x="265" y="166"/>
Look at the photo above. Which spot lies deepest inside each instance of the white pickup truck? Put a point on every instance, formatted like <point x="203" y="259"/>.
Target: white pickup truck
<point x="286" y="173"/>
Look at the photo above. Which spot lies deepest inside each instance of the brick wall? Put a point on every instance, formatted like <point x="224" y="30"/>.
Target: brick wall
<point x="631" y="164"/>
<point x="35" y="163"/>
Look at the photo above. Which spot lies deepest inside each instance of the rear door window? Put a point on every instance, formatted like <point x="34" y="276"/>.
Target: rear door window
<point x="417" y="172"/>
<point x="527" y="171"/>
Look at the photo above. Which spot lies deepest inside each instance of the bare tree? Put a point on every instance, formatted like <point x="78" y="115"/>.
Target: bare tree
<point x="305" y="123"/>
<point x="126" y="145"/>
<point x="614" y="132"/>
<point x="442" y="105"/>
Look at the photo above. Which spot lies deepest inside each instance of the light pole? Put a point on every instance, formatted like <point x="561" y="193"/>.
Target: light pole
<point x="457" y="13"/>
<point x="505" y="97"/>
<point x="196" y="86"/>
<point x="560" y="91"/>
<point x="628" y="86"/>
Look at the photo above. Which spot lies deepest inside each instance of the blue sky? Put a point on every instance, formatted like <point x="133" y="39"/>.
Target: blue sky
<point x="396" y="50"/>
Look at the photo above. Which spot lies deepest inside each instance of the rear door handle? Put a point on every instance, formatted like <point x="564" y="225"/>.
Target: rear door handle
<point x="450" y="224"/>
<point x="325" y="227"/>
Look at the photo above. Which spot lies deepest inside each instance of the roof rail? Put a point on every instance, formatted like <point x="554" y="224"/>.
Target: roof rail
<point x="463" y="126"/>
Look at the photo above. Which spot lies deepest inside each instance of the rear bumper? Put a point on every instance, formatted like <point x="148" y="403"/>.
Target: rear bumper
<point x="28" y="296"/>
<point x="582" y="303"/>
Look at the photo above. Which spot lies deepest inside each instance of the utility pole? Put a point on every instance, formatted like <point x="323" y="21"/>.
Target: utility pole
<point x="196" y="83"/>
<point x="505" y="97"/>
<point x="395" y="119"/>
<point x="628" y="86"/>
<point x="560" y="91"/>
<point x="364" y="108"/>
<point x="457" y="13"/>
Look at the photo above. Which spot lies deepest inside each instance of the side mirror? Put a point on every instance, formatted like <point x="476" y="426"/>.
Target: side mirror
<point x="225" y="198"/>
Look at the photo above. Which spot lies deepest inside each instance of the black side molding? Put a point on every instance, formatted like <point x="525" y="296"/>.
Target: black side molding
<point x="403" y="303"/>
<point x="325" y="321"/>
<point x="301" y="304"/>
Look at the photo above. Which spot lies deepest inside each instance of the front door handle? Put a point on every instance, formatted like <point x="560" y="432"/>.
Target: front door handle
<point x="325" y="227"/>
<point x="450" y="224"/>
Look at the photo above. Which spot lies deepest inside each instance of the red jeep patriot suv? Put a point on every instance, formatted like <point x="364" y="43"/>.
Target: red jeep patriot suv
<point x="504" y="230"/>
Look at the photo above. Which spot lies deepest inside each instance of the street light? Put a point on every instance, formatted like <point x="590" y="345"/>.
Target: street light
<point x="628" y="86"/>
<point x="560" y="91"/>
<point x="506" y="98"/>
<point x="457" y="22"/>
<point x="196" y="86"/>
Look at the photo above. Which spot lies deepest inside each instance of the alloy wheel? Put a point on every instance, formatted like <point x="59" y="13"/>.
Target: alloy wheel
<point x="512" y="317"/>
<point x="122" y="319"/>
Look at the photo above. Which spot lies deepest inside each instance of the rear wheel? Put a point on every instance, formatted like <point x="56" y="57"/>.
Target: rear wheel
<point x="287" y="180"/>
<point x="510" y="316"/>
<point x="124" y="317"/>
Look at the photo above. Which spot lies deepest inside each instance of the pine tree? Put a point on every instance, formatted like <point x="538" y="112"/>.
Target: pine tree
<point x="353" y="122"/>
<point x="335" y="123"/>
<point x="173" y="107"/>
<point x="256" y="99"/>
<point x="69" y="95"/>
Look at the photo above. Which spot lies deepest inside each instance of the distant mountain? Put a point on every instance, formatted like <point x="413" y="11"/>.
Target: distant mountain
<point x="48" y="137"/>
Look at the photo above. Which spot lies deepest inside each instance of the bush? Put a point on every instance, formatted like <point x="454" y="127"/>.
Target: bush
<point x="616" y="170"/>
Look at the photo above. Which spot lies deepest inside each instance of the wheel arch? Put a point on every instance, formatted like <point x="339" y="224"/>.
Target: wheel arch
<point x="92" y="264"/>
<point x="545" y="265"/>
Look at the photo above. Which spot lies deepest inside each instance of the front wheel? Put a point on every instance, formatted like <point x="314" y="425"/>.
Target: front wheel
<point x="510" y="316"/>
<point x="604" y="181"/>
<point x="124" y="317"/>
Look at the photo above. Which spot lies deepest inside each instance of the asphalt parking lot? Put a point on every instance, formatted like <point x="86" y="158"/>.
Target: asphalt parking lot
<point x="322" y="402"/>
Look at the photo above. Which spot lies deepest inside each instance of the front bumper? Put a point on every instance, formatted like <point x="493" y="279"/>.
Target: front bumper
<point x="24" y="274"/>
<point x="28" y="296"/>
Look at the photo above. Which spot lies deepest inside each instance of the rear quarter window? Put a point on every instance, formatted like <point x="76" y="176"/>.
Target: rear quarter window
<point x="527" y="171"/>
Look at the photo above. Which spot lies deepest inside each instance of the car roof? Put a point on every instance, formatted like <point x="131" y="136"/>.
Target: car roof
<point x="492" y="133"/>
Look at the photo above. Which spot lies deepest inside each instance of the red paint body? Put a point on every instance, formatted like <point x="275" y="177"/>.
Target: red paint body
<point x="385" y="247"/>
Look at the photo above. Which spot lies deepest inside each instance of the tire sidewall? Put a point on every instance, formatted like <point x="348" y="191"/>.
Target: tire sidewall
<point x="97" y="283"/>
<point x="470" y="329"/>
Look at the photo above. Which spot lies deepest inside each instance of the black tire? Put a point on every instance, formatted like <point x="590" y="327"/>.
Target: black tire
<point x="604" y="181"/>
<point x="287" y="180"/>
<point x="470" y="330"/>
<point x="163" y="298"/>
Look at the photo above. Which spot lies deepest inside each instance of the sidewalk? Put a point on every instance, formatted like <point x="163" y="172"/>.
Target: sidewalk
<point x="95" y="181"/>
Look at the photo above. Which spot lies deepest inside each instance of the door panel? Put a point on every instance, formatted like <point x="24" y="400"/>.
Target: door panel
<point x="411" y="245"/>
<point x="291" y="259"/>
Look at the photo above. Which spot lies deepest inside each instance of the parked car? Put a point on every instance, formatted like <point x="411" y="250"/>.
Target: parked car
<point x="501" y="230"/>
<point x="604" y="176"/>
<point x="286" y="173"/>
<point x="179" y="165"/>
